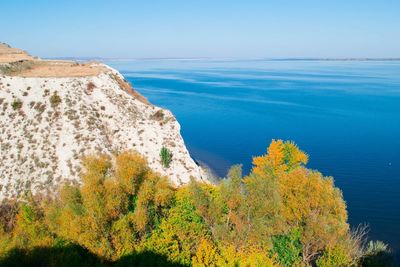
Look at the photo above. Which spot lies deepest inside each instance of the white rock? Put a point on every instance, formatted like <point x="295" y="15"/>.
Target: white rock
<point x="41" y="146"/>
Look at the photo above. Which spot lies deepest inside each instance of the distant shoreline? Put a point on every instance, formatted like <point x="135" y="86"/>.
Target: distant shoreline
<point x="223" y="59"/>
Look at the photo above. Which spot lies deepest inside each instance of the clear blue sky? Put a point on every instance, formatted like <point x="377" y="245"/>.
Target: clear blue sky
<point x="203" y="28"/>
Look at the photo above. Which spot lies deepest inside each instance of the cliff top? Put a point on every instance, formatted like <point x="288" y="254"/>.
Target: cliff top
<point x="16" y="62"/>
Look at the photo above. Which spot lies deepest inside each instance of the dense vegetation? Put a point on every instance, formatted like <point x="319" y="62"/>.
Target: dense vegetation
<point x="281" y="214"/>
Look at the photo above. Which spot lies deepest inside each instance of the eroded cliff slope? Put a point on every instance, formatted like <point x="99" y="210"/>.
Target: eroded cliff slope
<point x="52" y="113"/>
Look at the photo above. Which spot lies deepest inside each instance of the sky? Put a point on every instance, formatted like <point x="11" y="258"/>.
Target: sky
<point x="190" y="29"/>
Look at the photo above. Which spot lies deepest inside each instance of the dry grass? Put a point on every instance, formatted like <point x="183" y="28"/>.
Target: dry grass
<point x="62" y="69"/>
<point x="15" y="62"/>
<point x="9" y="54"/>
<point x="50" y="68"/>
<point x="129" y="89"/>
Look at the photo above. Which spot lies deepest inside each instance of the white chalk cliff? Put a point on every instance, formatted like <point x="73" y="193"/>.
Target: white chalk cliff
<point x="52" y="113"/>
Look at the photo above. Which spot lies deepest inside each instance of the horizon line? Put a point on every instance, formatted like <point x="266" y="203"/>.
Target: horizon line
<point x="230" y="58"/>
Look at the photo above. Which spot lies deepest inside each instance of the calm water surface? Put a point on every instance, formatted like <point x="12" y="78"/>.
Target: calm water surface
<point x="344" y="114"/>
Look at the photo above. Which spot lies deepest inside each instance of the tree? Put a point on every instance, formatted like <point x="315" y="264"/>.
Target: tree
<point x="309" y="201"/>
<point x="239" y="212"/>
<point x="281" y="156"/>
<point x="281" y="214"/>
<point x="117" y="206"/>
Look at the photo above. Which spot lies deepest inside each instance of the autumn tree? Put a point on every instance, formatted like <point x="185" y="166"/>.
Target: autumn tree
<point x="239" y="212"/>
<point x="309" y="201"/>
<point x="179" y="234"/>
<point x="280" y="214"/>
<point x="115" y="208"/>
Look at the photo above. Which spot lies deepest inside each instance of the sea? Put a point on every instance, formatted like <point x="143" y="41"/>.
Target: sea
<point x="344" y="113"/>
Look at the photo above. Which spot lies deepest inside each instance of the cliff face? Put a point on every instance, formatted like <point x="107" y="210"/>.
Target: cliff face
<point x="52" y="113"/>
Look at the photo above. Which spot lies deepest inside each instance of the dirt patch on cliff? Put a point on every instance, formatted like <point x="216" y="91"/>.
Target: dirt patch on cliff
<point x="16" y="62"/>
<point x="51" y="68"/>
<point x="129" y="89"/>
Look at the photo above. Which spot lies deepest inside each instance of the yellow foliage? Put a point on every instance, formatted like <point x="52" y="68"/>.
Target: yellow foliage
<point x="250" y="257"/>
<point x="95" y="167"/>
<point x="30" y="229"/>
<point x="312" y="202"/>
<point x="281" y="156"/>
<point x="123" y="241"/>
<point x="337" y="256"/>
<point x="116" y="202"/>
<point x="124" y="208"/>
<point x="116" y="205"/>
<point x="130" y="170"/>
<point x="206" y="255"/>
<point x="308" y="200"/>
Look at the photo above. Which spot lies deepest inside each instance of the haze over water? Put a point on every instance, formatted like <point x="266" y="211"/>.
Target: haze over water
<point x="344" y="114"/>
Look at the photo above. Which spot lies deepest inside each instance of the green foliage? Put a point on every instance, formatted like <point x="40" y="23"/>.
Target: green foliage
<point x="16" y="104"/>
<point x="179" y="234"/>
<point x="239" y="212"/>
<point x="166" y="157"/>
<point x="287" y="248"/>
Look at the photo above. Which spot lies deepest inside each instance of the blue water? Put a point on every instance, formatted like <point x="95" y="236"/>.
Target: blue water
<point x="344" y="114"/>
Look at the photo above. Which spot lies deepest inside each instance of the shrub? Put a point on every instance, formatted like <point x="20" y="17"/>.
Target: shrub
<point x="335" y="257"/>
<point x="158" y="115"/>
<point x="179" y="234"/>
<point x="90" y="86"/>
<point x="206" y="255"/>
<point x="16" y="104"/>
<point x="17" y="67"/>
<point x="166" y="157"/>
<point x="287" y="248"/>
<point x="55" y="100"/>
<point x="377" y="254"/>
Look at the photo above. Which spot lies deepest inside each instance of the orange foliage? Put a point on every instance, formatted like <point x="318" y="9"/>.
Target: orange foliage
<point x="308" y="200"/>
<point x="281" y="156"/>
<point x="114" y="208"/>
<point x="130" y="170"/>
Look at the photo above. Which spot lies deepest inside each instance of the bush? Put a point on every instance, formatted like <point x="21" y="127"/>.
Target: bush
<point x="90" y="86"/>
<point x="107" y="215"/>
<point x="287" y="248"/>
<point x="158" y="115"/>
<point x="166" y="157"/>
<point x="17" y="67"/>
<point x="16" y="104"/>
<point x="55" y="100"/>
<point x="335" y="257"/>
<point x="377" y="254"/>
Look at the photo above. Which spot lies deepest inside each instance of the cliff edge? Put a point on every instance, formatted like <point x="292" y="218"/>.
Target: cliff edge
<point x="52" y="113"/>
